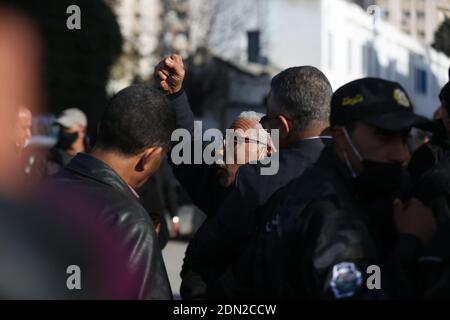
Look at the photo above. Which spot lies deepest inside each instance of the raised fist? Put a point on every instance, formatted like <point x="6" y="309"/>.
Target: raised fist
<point x="169" y="74"/>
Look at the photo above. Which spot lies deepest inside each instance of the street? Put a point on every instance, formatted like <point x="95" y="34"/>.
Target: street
<point x="173" y="255"/>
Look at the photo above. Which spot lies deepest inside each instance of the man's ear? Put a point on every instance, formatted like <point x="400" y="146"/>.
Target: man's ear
<point x="284" y="127"/>
<point x="148" y="157"/>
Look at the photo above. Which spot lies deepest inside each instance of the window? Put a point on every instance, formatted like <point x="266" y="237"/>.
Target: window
<point x="420" y="81"/>
<point x="253" y="48"/>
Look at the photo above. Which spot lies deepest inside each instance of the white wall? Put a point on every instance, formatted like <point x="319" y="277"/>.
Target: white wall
<point x="232" y="19"/>
<point x="293" y="33"/>
<point x="290" y="30"/>
<point x="336" y="36"/>
<point x="395" y="55"/>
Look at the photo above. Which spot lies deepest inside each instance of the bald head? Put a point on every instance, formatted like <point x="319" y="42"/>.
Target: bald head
<point x="248" y="126"/>
<point x="247" y="120"/>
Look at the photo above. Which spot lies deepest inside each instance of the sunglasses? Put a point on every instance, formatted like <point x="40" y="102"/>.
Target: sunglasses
<point x="242" y="140"/>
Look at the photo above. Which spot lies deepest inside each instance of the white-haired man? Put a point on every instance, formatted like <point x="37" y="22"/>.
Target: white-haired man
<point x="208" y="184"/>
<point x="298" y="110"/>
<point x="252" y="143"/>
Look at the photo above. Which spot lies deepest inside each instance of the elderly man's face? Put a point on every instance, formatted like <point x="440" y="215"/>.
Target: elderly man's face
<point x="243" y="146"/>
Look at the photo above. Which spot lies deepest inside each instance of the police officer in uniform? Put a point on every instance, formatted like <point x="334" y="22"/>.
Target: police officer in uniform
<point x="327" y="232"/>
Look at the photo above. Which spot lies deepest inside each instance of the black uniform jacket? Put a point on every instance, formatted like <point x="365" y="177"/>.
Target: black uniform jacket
<point x="316" y="239"/>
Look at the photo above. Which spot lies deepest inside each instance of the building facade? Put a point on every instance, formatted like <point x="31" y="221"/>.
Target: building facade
<point x="346" y="43"/>
<point x="151" y="29"/>
<point x="337" y="36"/>
<point x="418" y="18"/>
<point x="140" y="26"/>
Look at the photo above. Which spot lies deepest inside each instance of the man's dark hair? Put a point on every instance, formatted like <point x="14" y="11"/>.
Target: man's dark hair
<point x="303" y="95"/>
<point x="136" y="118"/>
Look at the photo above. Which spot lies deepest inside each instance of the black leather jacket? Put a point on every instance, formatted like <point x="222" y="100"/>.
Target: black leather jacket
<point x="219" y="240"/>
<point x="313" y="226"/>
<point x="433" y="189"/>
<point x="119" y="208"/>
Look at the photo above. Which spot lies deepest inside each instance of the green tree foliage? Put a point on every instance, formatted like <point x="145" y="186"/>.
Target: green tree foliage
<point x="77" y="62"/>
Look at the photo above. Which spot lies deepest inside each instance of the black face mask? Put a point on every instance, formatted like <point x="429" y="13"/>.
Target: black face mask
<point x="66" y="139"/>
<point x="380" y="180"/>
<point x="377" y="186"/>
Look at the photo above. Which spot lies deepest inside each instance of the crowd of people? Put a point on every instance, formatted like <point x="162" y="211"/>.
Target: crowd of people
<point x="353" y="212"/>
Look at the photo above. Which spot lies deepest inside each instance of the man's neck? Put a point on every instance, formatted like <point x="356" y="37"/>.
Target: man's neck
<point x="306" y="134"/>
<point x="121" y="165"/>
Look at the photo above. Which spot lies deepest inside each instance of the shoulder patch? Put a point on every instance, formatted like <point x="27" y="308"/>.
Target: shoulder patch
<point x="346" y="280"/>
